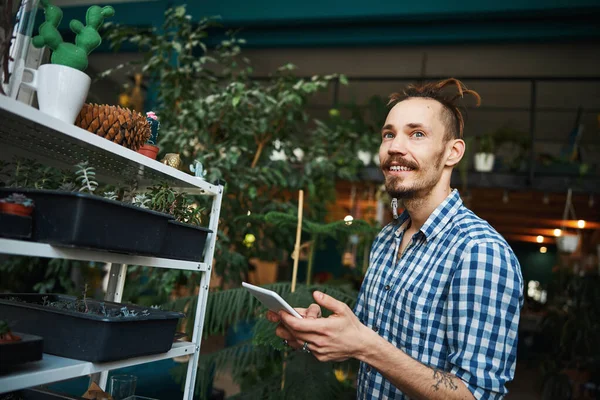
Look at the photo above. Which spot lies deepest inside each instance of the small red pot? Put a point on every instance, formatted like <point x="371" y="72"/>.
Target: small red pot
<point x="149" y="151"/>
<point x="16" y="209"/>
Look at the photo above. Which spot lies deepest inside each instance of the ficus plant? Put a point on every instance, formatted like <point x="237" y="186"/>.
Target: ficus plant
<point x="257" y="137"/>
<point x="254" y="135"/>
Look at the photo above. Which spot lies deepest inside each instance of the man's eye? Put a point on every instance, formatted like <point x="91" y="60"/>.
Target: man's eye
<point x="418" y="134"/>
<point x="388" y="135"/>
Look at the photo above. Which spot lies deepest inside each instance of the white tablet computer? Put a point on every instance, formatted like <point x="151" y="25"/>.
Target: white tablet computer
<point x="270" y="299"/>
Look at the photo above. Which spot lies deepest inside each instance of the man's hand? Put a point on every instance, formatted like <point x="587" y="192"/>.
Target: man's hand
<point x="312" y="312"/>
<point x="335" y="338"/>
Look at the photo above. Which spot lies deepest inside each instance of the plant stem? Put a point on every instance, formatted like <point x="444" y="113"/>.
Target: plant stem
<point x="261" y="146"/>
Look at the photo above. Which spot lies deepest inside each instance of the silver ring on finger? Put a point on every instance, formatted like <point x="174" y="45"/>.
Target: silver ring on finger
<point x="305" y="347"/>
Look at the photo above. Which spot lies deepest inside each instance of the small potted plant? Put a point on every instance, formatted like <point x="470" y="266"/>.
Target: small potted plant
<point x="15" y="216"/>
<point x="150" y="148"/>
<point x="76" y="215"/>
<point x="567" y="242"/>
<point x="92" y="325"/>
<point x="18" y="348"/>
<point x="484" y="158"/>
<point x="17" y="204"/>
<point x="185" y="239"/>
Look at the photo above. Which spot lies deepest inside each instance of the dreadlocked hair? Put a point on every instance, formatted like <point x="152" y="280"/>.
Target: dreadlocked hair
<point x="451" y="114"/>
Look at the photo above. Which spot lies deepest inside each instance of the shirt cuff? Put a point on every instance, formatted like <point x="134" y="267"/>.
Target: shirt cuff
<point x="477" y="391"/>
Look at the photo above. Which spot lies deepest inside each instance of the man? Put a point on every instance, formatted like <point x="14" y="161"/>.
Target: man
<point x="438" y="311"/>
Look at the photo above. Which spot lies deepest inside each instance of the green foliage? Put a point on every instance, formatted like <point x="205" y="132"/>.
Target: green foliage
<point x="86" y="176"/>
<point x="257" y="364"/>
<point x="164" y="199"/>
<point x="257" y="136"/>
<point x="4" y="328"/>
<point x="249" y="133"/>
<point x="486" y="144"/>
<point x="27" y="173"/>
<point x="571" y="327"/>
<point x="87" y="37"/>
<point x="17" y="198"/>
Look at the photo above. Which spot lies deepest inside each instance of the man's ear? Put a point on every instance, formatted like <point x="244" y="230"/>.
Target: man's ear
<point x="457" y="151"/>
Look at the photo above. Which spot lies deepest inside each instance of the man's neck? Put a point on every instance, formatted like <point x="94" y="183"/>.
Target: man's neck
<point x="420" y="208"/>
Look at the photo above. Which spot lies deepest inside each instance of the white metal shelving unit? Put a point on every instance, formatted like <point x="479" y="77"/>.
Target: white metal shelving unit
<point x="25" y="131"/>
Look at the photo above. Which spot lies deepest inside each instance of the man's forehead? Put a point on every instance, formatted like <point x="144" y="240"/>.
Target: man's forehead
<point x="426" y="112"/>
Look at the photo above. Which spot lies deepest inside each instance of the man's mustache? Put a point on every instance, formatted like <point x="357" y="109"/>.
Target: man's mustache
<point x="400" y="161"/>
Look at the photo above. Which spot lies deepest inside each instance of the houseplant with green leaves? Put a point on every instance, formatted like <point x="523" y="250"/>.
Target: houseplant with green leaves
<point x="257" y="137"/>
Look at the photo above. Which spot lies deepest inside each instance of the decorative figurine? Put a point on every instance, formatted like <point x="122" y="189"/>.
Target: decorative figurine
<point x="87" y="39"/>
<point x="172" y="160"/>
<point x="198" y="169"/>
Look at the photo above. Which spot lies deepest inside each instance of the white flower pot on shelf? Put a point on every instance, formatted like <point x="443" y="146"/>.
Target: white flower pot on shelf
<point x="484" y="162"/>
<point x="567" y="243"/>
<point x="61" y="90"/>
<point x="365" y="157"/>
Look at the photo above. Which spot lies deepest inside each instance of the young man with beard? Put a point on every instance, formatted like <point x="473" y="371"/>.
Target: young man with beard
<point x="438" y="311"/>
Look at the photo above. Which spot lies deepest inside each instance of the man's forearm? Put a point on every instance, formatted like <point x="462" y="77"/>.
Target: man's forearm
<point x="413" y="378"/>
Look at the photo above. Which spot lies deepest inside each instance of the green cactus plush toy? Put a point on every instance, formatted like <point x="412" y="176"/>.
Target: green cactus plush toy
<point x="87" y="39"/>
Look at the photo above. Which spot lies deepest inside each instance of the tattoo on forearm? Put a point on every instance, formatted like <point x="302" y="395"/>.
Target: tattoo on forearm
<point x="443" y="380"/>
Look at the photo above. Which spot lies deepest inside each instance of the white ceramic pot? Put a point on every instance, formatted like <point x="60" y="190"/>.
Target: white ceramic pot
<point x="365" y="157"/>
<point x="484" y="162"/>
<point x="61" y="90"/>
<point x="567" y="243"/>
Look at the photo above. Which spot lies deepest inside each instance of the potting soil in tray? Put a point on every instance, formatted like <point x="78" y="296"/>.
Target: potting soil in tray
<point x="90" y="330"/>
<point x="184" y="241"/>
<point x="83" y="220"/>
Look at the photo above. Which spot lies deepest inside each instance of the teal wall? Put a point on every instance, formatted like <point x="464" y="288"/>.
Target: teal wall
<point x="272" y="23"/>
<point x="535" y="265"/>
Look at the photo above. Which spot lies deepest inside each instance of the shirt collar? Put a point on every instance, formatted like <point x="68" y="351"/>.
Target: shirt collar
<point x="438" y="219"/>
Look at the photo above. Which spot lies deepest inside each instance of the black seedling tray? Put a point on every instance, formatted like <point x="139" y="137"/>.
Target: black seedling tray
<point x="45" y="394"/>
<point x="184" y="241"/>
<point x="107" y="332"/>
<point x="29" y="348"/>
<point x="83" y="220"/>
<point x="15" y="226"/>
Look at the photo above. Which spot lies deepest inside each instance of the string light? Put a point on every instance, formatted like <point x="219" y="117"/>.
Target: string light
<point x="540" y="239"/>
<point x="348" y="219"/>
<point x="581" y="224"/>
<point x="557" y="232"/>
<point x="543" y="249"/>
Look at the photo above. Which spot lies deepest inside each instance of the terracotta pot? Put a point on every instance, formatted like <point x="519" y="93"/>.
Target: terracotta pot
<point x="16" y="209"/>
<point x="149" y="151"/>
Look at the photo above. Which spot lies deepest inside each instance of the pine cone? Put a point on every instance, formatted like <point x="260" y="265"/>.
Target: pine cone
<point x="120" y="125"/>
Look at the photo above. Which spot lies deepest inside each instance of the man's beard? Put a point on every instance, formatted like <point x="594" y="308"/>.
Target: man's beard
<point x="420" y="187"/>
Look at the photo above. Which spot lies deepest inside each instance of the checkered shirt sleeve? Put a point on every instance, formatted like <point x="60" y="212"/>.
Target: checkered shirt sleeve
<point x="483" y="316"/>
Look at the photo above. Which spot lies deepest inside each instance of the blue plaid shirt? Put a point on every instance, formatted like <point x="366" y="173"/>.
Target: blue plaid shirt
<point x="451" y="301"/>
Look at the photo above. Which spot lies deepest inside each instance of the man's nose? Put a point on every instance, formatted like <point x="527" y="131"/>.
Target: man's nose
<point x="398" y="145"/>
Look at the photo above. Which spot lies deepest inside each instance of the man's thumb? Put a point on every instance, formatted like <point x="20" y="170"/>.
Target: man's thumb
<point x="328" y="302"/>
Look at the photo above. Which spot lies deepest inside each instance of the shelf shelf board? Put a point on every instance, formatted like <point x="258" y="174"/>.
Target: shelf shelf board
<point x="26" y="131"/>
<point x="53" y="368"/>
<point x="35" y="249"/>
